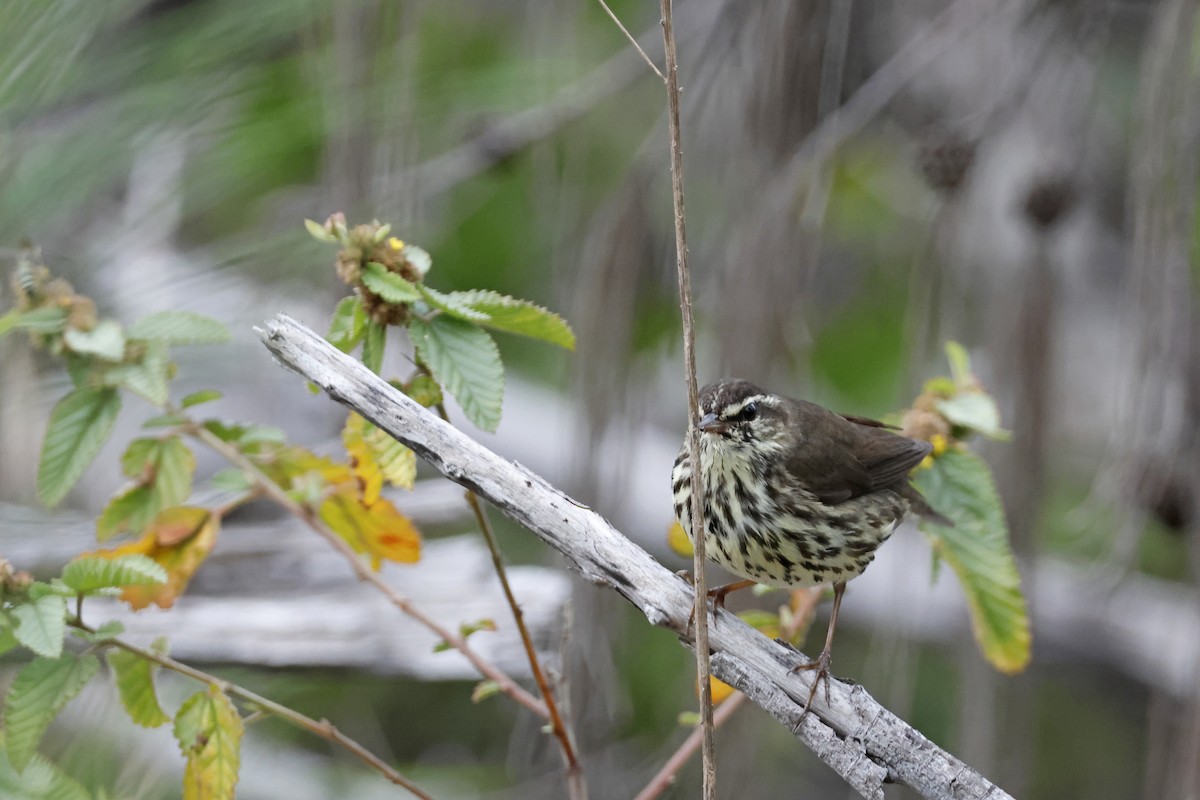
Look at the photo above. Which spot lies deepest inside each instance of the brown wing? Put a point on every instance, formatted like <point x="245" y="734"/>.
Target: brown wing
<point x="841" y="457"/>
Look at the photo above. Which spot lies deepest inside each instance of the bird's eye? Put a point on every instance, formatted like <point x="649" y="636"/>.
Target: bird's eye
<point x="748" y="412"/>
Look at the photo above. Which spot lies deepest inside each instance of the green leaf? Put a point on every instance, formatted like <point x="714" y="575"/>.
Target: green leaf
<point x="483" y="690"/>
<point x="424" y="390"/>
<point x="165" y="421"/>
<point x="148" y="377"/>
<point x="522" y="317"/>
<point x="959" y="485"/>
<point x="132" y="509"/>
<point x="8" y="638"/>
<point x="38" y="693"/>
<point x="79" y="425"/>
<point x="47" y="319"/>
<point x="373" y="344"/>
<point x="9" y="321"/>
<point x="417" y="258"/>
<point x="243" y="433"/>
<point x="41" y="624"/>
<point x="231" y="479"/>
<point x="975" y="411"/>
<point x="173" y="472"/>
<point x="179" y="327"/>
<point x="453" y="304"/>
<point x="960" y="364"/>
<point x="465" y="361"/>
<point x="135" y="683"/>
<point x="202" y="396"/>
<point x="389" y="285"/>
<point x="40" y="780"/>
<point x="106" y="341"/>
<point x="106" y="632"/>
<point x="349" y="324"/>
<point x="318" y="232"/>
<point x="89" y="574"/>
<point x="209" y="731"/>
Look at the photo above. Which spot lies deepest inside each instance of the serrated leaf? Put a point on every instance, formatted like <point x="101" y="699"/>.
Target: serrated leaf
<point x="163" y="470"/>
<point x="209" y="731"/>
<point x="202" y="396"/>
<point x="38" y="693"/>
<point x="379" y="530"/>
<point x="173" y="472"/>
<point x="179" y="327"/>
<point x="374" y="341"/>
<point x="424" y="390"/>
<point x="389" y="285"/>
<point x="349" y="324"/>
<point x="40" y="780"/>
<point x="41" y="624"/>
<point x="452" y="304"/>
<point x="79" y="425"/>
<point x="135" y="683"/>
<point x="522" y="317"/>
<point x="89" y="574"/>
<point x="977" y="548"/>
<point x="106" y="340"/>
<point x="466" y="362"/>
<point x="318" y="232"/>
<point x="179" y="540"/>
<point x="148" y="377"/>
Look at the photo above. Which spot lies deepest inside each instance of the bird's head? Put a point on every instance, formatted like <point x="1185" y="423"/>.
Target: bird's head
<point x="736" y="415"/>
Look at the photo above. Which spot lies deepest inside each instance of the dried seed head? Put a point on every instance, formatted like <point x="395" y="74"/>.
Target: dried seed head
<point x="945" y="157"/>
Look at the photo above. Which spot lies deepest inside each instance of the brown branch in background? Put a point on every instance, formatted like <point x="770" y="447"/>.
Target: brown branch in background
<point x="802" y="618"/>
<point x="632" y="40"/>
<point x="576" y="787"/>
<point x="323" y="728"/>
<point x="699" y="585"/>
<point x="273" y="491"/>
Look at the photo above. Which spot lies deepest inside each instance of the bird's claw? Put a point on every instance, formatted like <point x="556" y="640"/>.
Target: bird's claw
<point x="821" y="665"/>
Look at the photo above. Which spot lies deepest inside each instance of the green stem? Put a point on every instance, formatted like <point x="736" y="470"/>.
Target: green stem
<point x="574" y="769"/>
<point x="323" y="728"/>
<point x="306" y="514"/>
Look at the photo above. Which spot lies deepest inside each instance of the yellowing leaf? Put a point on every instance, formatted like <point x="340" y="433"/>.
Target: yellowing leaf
<point x="379" y="530"/>
<point x="721" y="691"/>
<point x="375" y="457"/>
<point x="209" y="731"/>
<point x="179" y="540"/>
<point x="678" y="541"/>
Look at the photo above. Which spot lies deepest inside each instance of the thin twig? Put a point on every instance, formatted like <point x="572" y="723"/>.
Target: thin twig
<point x="323" y="728"/>
<point x="699" y="584"/>
<point x="577" y="789"/>
<point x="305" y="514"/>
<point x="632" y="40"/>
<point x="801" y="619"/>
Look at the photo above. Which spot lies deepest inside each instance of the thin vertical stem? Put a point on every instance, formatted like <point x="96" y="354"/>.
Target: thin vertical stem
<point x="700" y="586"/>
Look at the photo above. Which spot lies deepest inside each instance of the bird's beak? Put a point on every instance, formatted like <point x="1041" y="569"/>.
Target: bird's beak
<point x="711" y="423"/>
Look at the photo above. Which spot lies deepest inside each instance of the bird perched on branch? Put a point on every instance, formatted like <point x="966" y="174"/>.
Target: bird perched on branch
<point x="794" y="494"/>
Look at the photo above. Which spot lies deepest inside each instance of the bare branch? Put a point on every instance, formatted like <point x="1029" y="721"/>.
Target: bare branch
<point x="632" y="40"/>
<point x="853" y="733"/>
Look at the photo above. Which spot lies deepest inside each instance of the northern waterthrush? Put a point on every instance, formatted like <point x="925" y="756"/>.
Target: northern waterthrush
<point x="794" y="494"/>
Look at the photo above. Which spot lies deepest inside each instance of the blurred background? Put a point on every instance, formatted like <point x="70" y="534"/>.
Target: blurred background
<point x="865" y="179"/>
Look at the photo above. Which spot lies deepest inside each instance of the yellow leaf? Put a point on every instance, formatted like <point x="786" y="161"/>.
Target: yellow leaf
<point x="209" y="731"/>
<point x="376" y="457"/>
<point x="179" y="539"/>
<point x="721" y="690"/>
<point x="679" y="541"/>
<point x="378" y="530"/>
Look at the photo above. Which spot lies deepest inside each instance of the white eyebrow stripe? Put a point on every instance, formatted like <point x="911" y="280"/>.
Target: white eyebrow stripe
<point x="734" y="410"/>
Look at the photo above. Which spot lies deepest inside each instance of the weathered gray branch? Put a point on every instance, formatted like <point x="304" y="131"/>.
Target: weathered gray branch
<point x="865" y="743"/>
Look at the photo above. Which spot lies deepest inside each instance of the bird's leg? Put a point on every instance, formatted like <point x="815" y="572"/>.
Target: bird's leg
<point x="717" y="595"/>
<point x="821" y="664"/>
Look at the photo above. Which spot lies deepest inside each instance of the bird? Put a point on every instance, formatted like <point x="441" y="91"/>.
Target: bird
<point x="795" y="495"/>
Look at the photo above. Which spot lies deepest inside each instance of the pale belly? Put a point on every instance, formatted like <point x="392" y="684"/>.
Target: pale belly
<point x="786" y="539"/>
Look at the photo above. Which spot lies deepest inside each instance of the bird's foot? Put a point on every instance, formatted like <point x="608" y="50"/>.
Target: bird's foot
<point x="716" y="596"/>
<point x="821" y="665"/>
